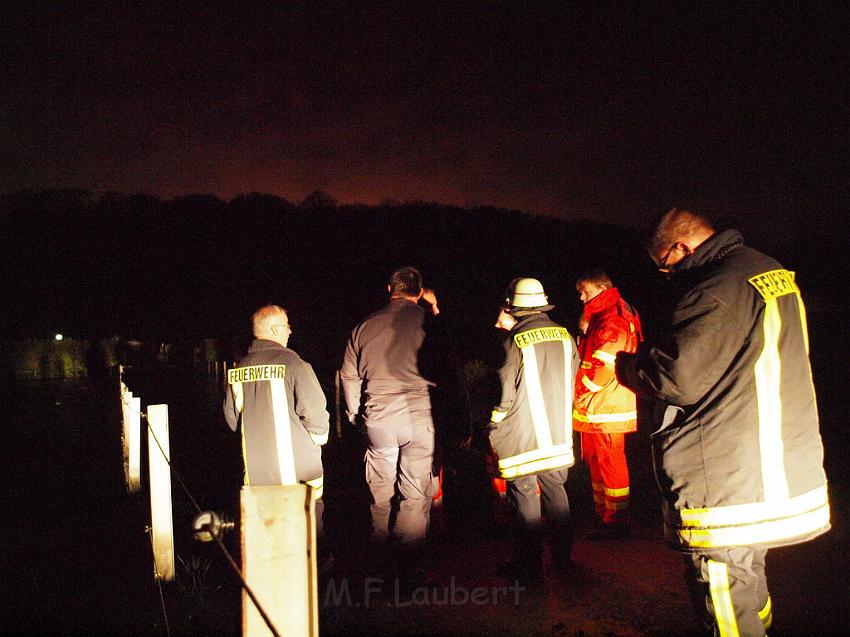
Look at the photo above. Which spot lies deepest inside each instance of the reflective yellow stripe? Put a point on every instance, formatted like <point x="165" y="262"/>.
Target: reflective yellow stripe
<point x="282" y="432"/>
<point x="590" y="384"/>
<point x="766" y="614"/>
<point x="721" y="599"/>
<point x="586" y="365"/>
<point x="803" y="321"/>
<point x="534" y="391"/>
<point x="739" y="514"/>
<point x="536" y="461"/>
<point x="767" y="377"/>
<point x="621" y="417"/>
<point x="238" y="397"/>
<point x="245" y="477"/>
<point x="318" y="485"/>
<point x="606" y="357"/>
<point x="771" y="531"/>
<point x="569" y="382"/>
<point x="616" y="506"/>
<point x="498" y="416"/>
<point x="616" y="493"/>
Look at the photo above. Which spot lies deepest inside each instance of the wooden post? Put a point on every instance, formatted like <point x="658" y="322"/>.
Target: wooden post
<point x="279" y="560"/>
<point x="160" y="486"/>
<point x="134" y="468"/>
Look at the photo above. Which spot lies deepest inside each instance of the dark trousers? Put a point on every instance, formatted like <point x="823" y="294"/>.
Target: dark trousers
<point x="729" y="591"/>
<point x="526" y="503"/>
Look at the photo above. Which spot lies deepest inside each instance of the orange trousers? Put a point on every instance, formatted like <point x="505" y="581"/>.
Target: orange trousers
<point x="605" y="455"/>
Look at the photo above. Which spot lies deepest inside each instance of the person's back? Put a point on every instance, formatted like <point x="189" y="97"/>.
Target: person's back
<point x="278" y="401"/>
<point x="737" y="451"/>
<point x="388" y="344"/>
<point x="385" y="391"/>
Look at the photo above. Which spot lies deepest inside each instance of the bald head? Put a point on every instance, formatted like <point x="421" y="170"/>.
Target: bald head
<point x="678" y="234"/>
<point x="271" y="323"/>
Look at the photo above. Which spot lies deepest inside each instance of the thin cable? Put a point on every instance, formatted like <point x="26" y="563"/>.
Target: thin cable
<point x="149" y="531"/>
<point x="227" y="555"/>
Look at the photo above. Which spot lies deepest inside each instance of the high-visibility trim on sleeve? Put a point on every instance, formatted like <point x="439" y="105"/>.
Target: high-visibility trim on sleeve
<point x="606" y="357"/>
<point x="620" y="417"/>
<point x="616" y="493"/>
<point x="766" y="614"/>
<point x="498" y="416"/>
<point x="590" y="384"/>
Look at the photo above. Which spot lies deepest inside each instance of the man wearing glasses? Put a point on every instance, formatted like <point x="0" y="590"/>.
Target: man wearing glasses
<point x="737" y="450"/>
<point x="281" y="406"/>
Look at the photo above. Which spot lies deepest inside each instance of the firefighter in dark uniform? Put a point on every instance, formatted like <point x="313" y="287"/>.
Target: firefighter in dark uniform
<point x="737" y="450"/>
<point x="531" y="428"/>
<point x="282" y="408"/>
<point x="383" y="385"/>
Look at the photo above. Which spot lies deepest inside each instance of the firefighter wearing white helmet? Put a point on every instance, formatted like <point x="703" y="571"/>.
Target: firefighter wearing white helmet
<point x="531" y="426"/>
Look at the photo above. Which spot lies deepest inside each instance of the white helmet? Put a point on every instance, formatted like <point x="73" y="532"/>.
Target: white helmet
<point x="527" y="295"/>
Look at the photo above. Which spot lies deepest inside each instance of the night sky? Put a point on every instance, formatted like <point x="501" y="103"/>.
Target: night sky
<point x="610" y="111"/>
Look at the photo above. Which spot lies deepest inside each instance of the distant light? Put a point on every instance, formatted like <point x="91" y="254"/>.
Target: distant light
<point x="58" y="337"/>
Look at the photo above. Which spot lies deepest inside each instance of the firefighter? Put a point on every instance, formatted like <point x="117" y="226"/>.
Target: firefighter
<point x="530" y="428"/>
<point x="384" y="387"/>
<point x="283" y="411"/>
<point x="604" y="409"/>
<point x="738" y="453"/>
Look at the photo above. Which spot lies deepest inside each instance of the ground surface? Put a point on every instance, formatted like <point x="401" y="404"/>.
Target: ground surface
<point x="76" y="557"/>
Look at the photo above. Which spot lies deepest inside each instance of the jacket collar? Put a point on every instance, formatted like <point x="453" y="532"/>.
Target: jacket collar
<point x="264" y="344"/>
<point x="712" y="249"/>
<point x="525" y="321"/>
<point x="602" y="301"/>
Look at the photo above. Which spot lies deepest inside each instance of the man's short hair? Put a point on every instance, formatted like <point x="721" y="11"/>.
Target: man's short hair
<point x="265" y="317"/>
<point x="677" y="224"/>
<point x="596" y="277"/>
<point x="405" y="281"/>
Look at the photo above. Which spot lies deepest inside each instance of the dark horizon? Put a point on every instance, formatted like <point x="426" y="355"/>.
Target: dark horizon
<point x="602" y="112"/>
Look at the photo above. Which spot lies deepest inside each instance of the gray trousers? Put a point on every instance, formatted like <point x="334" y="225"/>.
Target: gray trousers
<point x="729" y="591"/>
<point x="525" y="501"/>
<point x="399" y="461"/>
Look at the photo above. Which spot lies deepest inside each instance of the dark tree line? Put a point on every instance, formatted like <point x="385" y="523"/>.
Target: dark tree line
<point x="196" y="266"/>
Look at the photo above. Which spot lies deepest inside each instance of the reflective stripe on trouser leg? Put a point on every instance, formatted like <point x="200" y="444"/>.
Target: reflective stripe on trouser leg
<point x="733" y="589"/>
<point x="588" y="453"/>
<point x="611" y="454"/>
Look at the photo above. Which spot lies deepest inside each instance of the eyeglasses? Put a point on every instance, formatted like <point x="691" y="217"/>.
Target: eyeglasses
<point x="662" y="263"/>
<point x="286" y="325"/>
